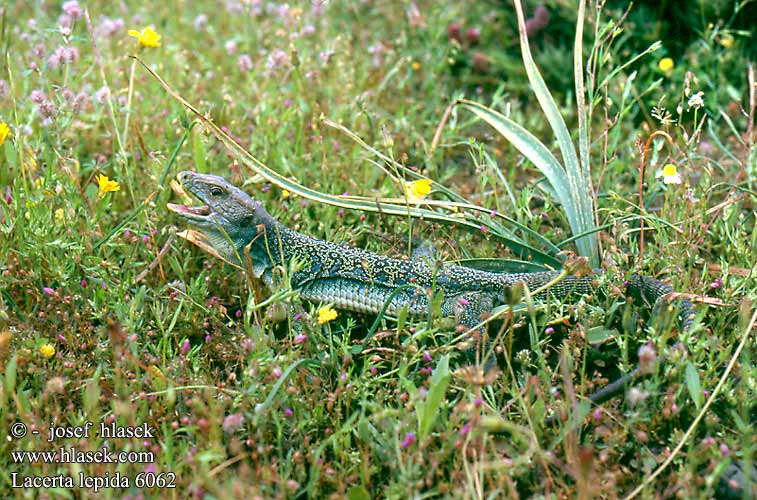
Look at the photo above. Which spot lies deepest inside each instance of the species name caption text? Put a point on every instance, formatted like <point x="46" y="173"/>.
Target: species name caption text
<point x="72" y="454"/>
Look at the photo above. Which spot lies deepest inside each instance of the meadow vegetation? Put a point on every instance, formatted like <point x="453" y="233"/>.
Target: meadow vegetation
<point x="106" y="316"/>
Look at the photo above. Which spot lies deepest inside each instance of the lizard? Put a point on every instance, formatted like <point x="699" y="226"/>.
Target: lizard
<point x="231" y="225"/>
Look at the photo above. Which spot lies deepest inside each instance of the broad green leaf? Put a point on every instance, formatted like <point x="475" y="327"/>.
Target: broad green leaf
<point x="358" y="493"/>
<point x="10" y="375"/>
<point x="694" y="385"/>
<point x="429" y="409"/>
<point x="91" y="394"/>
<point x="199" y="153"/>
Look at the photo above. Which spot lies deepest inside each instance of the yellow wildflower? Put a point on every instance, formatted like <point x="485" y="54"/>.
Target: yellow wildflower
<point x="148" y="37"/>
<point x="726" y="40"/>
<point x="106" y="185"/>
<point x="416" y="65"/>
<point x="284" y="194"/>
<point x="59" y="214"/>
<point x="670" y="174"/>
<point x="417" y="190"/>
<point x="47" y="350"/>
<point x="666" y="64"/>
<point x="326" y="314"/>
<point x="4" y="131"/>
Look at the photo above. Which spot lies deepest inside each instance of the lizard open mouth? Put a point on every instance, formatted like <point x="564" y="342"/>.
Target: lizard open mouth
<point x="201" y="211"/>
<point x="190" y="212"/>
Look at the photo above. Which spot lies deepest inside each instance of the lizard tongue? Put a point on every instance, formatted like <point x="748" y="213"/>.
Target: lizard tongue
<point x="184" y="209"/>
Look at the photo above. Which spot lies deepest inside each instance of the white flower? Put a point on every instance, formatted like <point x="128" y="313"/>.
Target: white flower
<point x="669" y="174"/>
<point x="697" y="100"/>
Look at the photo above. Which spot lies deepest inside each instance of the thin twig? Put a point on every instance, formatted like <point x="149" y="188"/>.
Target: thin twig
<point x="440" y="127"/>
<point x="642" y="166"/>
<point x="157" y="260"/>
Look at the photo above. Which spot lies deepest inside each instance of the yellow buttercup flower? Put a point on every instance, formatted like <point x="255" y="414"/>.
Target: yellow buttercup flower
<point x="106" y="185"/>
<point x="148" y="37"/>
<point x="4" y="131"/>
<point x="47" y="350"/>
<point x="326" y="314"/>
<point x="666" y="64"/>
<point x="417" y="190"/>
<point x="285" y="194"/>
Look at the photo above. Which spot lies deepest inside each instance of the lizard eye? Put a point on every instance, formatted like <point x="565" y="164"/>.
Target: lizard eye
<point x="216" y="191"/>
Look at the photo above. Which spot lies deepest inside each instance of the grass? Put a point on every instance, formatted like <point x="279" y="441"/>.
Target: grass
<point x="107" y="317"/>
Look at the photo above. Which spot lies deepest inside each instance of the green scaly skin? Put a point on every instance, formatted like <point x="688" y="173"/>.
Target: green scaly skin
<point x="363" y="281"/>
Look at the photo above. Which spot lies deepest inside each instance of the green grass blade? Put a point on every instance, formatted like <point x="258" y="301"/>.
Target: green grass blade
<point x="577" y="184"/>
<point x="533" y="149"/>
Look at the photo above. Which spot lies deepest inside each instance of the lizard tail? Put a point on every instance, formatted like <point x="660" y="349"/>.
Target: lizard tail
<point x="651" y="290"/>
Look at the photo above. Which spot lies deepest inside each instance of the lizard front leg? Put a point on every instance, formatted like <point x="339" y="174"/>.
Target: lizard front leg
<point x="469" y="309"/>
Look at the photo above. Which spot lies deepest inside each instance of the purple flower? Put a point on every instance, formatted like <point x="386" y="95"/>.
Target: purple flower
<point x="465" y="430"/>
<point x="325" y="56"/>
<point x="409" y="439"/>
<point x="48" y="291"/>
<point x="300" y="339"/>
<point x="37" y="96"/>
<point x="83" y="283"/>
<point x="232" y="423"/>
<point x="244" y="62"/>
<point x="65" y="21"/>
<point x="46" y="110"/>
<point x="200" y="22"/>
<point x="276" y="59"/>
<point x="231" y="47"/>
<point x="724" y="450"/>
<point x="288" y="412"/>
<point x="185" y="347"/>
<point x="717" y="283"/>
<point x="80" y="101"/>
<point x="647" y="358"/>
<point x="101" y="95"/>
<point x="72" y="9"/>
<point x="549" y="330"/>
<point x="57" y="57"/>
<point x="110" y="27"/>
<point x="427" y="357"/>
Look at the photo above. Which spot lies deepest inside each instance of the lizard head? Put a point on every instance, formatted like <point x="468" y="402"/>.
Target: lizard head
<point x="227" y="220"/>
